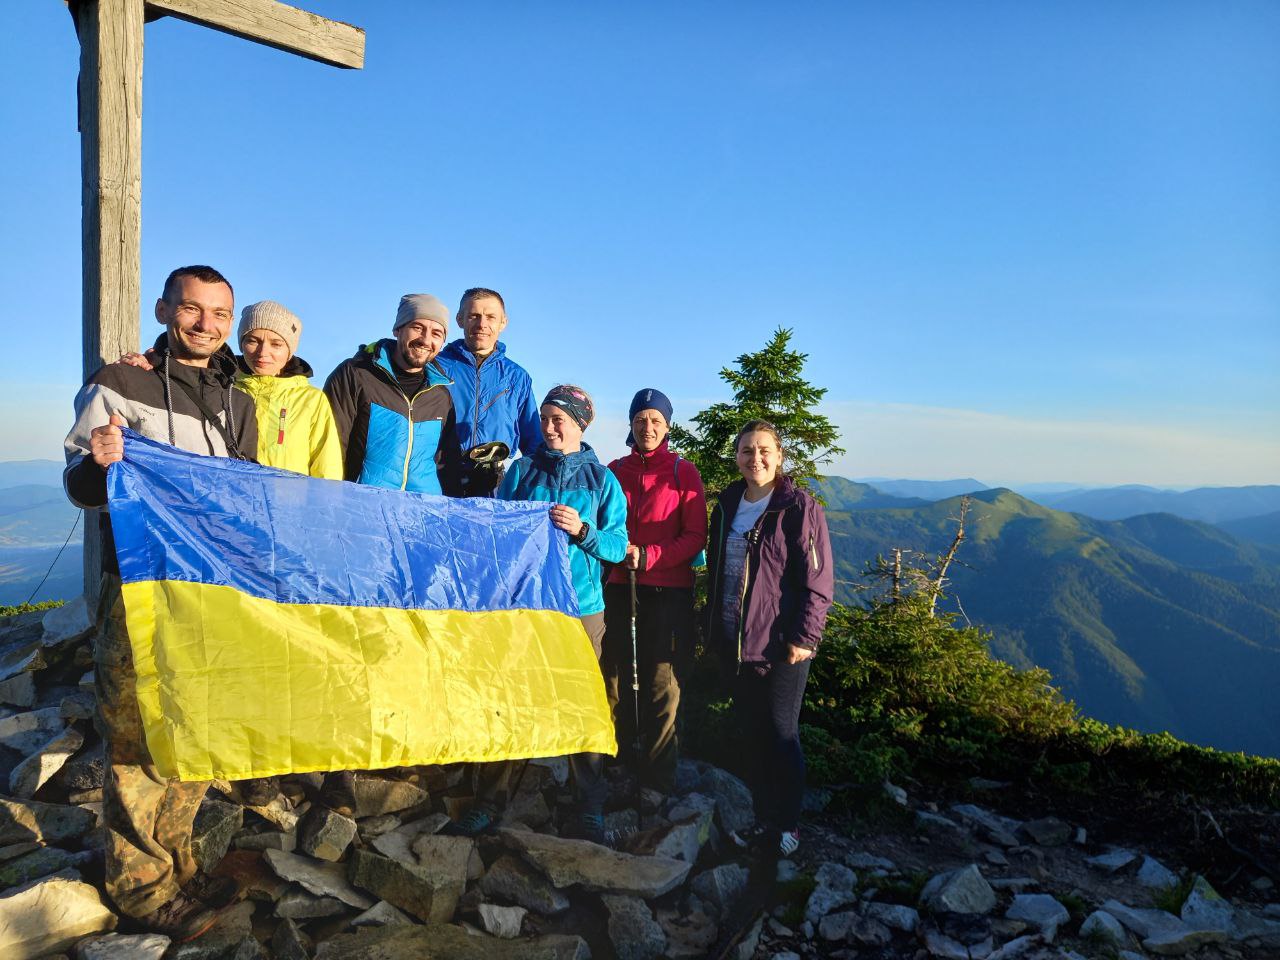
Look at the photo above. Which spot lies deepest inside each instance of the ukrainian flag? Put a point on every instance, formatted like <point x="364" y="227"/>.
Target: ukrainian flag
<point x="285" y="624"/>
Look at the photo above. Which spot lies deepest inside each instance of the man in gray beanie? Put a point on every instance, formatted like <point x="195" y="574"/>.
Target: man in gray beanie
<point x="393" y="407"/>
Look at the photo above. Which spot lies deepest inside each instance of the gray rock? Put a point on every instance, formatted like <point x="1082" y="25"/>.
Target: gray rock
<point x="1001" y="830"/>
<point x="501" y="922"/>
<point x="446" y="942"/>
<point x="379" y="915"/>
<point x="371" y="828"/>
<point x="786" y="955"/>
<point x="556" y="767"/>
<point x="398" y="843"/>
<point x="1249" y="926"/>
<point x="934" y="824"/>
<point x="995" y="858"/>
<point x="280" y="814"/>
<point x="634" y="932"/>
<point x="325" y="834"/>
<point x="734" y="808"/>
<point x="23" y="658"/>
<point x="694" y="804"/>
<point x="49" y="916"/>
<point x="1047" y="831"/>
<point x="65" y="624"/>
<point x="746" y="948"/>
<point x="895" y="793"/>
<point x="721" y="887"/>
<point x="249" y="949"/>
<point x="12" y="851"/>
<point x="87" y="771"/>
<point x="1156" y="875"/>
<point x="1102" y="927"/>
<point x="689" y="936"/>
<point x="527" y="807"/>
<point x="117" y="946"/>
<point x="1162" y="932"/>
<point x="894" y="916"/>
<point x="322" y="879"/>
<point x="959" y="891"/>
<point x="1014" y="884"/>
<point x="19" y="690"/>
<point x="836" y="926"/>
<point x="265" y="840"/>
<point x="216" y="823"/>
<point x="41" y="862"/>
<point x="1041" y="911"/>
<point x="870" y="933"/>
<point x="833" y="889"/>
<point x="223" y="939"/>
<point x="25" y="733"/>
<point x="595" y="868"/>
<point x="510" y="879"/>
<point x="940" y="945"/>
<point x="375" y="796"/>
<point x="1019" y="947"/>
<point x="816" y="799"/>
<point x="678" y="841"/>
<point x="1205" y="909"/>
<point x="1113" y="860"/>
<point x="1142" y="922"/>
<point x="77" y="705"/>
<point x="290" y="943"/>
<point x="298" y="904"/>
<point x="429" y="892"/>
<point x="866" y="861"/>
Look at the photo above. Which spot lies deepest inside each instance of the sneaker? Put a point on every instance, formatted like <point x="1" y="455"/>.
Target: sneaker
<point x="788" y="842"/>
<point x="260" y="791"/>
<point x="338" y="792"/>
<point x="181" y="919"/>
<point x="479" y="819"/>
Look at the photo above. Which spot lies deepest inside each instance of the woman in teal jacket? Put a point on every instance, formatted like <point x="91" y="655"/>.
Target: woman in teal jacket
<point x="589" y="506"/>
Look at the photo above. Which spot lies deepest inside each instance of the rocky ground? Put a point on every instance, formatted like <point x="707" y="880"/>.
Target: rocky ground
<point x="987" y="872"/>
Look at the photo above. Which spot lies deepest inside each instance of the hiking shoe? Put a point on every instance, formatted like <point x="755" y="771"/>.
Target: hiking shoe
<point x="338" y="792"/>
<point x="181" y="919"/>
<point x="479" y="819"/>
<point x="260" y="791"/>
<point x="788" y="842"/>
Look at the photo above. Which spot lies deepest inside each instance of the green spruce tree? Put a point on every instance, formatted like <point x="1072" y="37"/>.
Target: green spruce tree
<point x="767" y="385"/>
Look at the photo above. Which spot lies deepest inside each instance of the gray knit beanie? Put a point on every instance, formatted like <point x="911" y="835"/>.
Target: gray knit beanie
<point x="269" y="315"/>
<point x="421" y="306"/>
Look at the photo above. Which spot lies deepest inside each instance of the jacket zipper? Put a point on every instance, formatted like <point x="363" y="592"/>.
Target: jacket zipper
<point x="813" y="553"/>
<point x="475" y="424"/>
<point x="753" y="540"/>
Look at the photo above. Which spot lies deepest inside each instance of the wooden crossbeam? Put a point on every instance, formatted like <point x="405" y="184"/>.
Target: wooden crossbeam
<point x="274" y="24"/>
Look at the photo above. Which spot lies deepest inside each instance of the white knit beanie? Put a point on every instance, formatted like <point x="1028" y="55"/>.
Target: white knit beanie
<point x="421" y="306"/>
<point x="269" y="315"/>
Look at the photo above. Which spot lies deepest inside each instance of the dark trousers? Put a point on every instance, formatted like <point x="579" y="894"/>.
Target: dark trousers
<point x="664" y="622"/>
<point x="766" y="710"/>
<point x="492" y="781"/>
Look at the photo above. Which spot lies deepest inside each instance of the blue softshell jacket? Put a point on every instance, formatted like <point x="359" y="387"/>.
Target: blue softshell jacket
<point x="389" y="439"/>
<point x="492" y="401"/>
<point x="580" y="481"/>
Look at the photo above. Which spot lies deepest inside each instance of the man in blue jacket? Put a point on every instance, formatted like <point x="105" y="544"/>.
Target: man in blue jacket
<point x="492" y="394"/>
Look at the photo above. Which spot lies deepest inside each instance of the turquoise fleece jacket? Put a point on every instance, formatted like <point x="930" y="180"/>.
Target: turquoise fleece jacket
<point x="580" y="481"/>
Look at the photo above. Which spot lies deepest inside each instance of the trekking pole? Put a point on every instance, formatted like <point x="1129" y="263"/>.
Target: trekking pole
<point x="635" y="693"/>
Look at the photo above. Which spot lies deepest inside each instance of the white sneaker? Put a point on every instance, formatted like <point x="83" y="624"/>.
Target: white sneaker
<point x="788" y="842"/>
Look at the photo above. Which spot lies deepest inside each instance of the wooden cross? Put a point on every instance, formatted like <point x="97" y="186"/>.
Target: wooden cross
<point x="110" y="34"/>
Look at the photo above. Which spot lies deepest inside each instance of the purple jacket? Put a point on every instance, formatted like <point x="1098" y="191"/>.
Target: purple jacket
<point x="790" y="575"/>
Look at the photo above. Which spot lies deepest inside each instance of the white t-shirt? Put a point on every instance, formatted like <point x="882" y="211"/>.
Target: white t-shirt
<point x="735" y="559"/>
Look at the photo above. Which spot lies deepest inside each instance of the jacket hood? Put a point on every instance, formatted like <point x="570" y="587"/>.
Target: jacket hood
<point x="223" y="362"/>
<point x="576" y="459"/>
<point x="295" y="367"/>
<point x="378" y="354"/>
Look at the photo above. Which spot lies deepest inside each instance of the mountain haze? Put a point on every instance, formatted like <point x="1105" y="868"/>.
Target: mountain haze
<point x="1156" y="623"/>
<point x="1211" y="504"/>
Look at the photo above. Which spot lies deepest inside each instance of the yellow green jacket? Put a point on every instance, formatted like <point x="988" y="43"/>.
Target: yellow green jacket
<point x="296" y="429"/>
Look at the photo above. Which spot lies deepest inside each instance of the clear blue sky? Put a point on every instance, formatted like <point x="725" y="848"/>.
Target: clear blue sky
<point x="1020" y="241"/>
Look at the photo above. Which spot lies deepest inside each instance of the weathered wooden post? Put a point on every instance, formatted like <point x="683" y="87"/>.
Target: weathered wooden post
<point x="110" y="33"/>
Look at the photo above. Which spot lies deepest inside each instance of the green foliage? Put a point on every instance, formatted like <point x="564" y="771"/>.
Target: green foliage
<point x="792" y="897"/>
<point x="12" y="610"/>
<point x="767" y="385"/>
<point x="1172" y="897"/>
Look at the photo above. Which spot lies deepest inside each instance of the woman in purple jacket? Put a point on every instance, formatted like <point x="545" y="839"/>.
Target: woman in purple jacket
<point x="771" y="584"/>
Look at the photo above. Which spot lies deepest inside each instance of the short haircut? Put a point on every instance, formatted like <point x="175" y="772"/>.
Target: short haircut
<point x="475" y="293"/>
<point x="204" y="274"/>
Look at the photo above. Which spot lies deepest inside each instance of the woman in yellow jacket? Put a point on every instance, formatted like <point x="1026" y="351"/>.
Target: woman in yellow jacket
<point x="296" y="429"/>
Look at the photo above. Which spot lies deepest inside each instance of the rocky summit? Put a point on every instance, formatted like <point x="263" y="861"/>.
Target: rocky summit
<point x="981" y="876"/>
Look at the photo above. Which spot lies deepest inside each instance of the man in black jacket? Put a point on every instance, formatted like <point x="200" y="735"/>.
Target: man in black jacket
<point x="187" y="400"/>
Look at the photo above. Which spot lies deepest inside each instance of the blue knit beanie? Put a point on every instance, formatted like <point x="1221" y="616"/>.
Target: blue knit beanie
<point x="650" y="399"/>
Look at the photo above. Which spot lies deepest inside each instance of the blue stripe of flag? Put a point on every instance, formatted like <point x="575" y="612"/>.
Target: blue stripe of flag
<point x="281" y="536"/>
